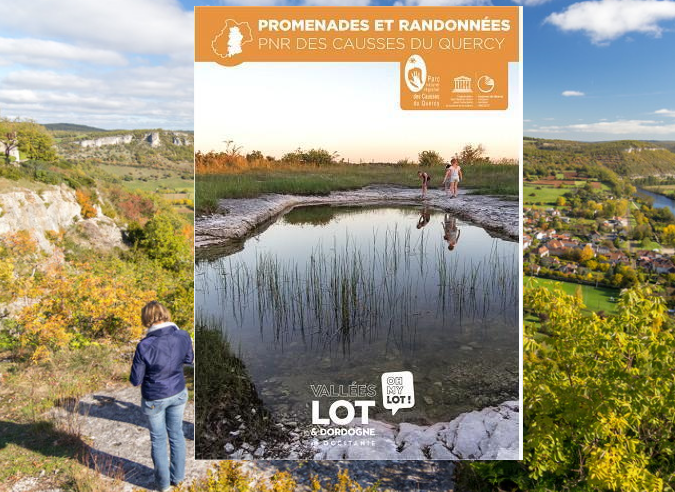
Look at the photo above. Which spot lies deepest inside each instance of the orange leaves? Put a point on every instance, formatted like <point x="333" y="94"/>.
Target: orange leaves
<point x="21" y="243"/>
<point x="86" y="206"/>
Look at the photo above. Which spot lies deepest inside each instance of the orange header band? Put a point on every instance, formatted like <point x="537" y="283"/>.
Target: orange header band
<point x="450" y="57"/>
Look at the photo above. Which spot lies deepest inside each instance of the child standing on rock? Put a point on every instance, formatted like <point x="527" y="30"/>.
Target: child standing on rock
<point x="454" y="174"/>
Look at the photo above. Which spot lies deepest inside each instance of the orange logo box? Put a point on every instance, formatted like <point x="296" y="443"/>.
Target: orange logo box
<point x="451" y="58"/>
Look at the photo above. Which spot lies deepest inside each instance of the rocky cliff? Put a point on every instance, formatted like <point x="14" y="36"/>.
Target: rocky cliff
<point x="154" y="139"/>
<point x="114" y="140"/>
<point x="52" y="210"/>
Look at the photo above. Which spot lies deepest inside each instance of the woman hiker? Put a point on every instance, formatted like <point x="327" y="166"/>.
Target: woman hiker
<point x="158" y="368"/>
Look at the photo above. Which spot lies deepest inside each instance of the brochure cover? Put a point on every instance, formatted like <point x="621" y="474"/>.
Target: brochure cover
<point x="357" y="279"/>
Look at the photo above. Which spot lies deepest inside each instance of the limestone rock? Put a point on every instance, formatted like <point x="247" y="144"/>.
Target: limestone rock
<point x="153" y="139"/>
<point x="103" y="141"/>
<point x="239" y="217"/>
<point x="489" y="434"/>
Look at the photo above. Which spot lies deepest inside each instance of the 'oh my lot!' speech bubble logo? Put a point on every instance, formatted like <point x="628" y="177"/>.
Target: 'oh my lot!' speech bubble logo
<point x="398" y="391"/>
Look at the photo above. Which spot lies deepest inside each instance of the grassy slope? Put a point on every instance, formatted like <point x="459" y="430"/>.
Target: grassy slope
<point x="307" y="180"/>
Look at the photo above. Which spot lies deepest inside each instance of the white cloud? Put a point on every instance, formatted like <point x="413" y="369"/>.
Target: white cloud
<point x="161" y="96"/>
<point x="158" y="27"/>
<point x="666" y="112"/>
<point x="530" y="3"/>
<point x="573" y="93"/>
<point x="122" y="64"/>
<point x="30" y="51"/>
<point x="618" y="127"/>
<point x="46" y="79"/>
<point x="437" y="3"/>
<point x="339" y="3"/>
<point x="606" y="20"/>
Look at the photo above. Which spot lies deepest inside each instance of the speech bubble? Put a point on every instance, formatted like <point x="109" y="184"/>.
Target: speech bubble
<point x="398" y="391"/>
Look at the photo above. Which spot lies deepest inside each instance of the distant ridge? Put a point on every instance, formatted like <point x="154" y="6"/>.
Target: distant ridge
<point x="627" y="158"/>
<point x="70" y="127"/>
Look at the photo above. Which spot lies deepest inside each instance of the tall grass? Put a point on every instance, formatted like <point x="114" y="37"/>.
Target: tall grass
<point x="228" y="398"/>
<point x="343" y="292"/>
<point x="307" y="179"/>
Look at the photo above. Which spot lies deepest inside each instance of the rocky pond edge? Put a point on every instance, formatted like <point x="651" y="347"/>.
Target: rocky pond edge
<point x="488" y="434"/>
<point x="239" y="217"/>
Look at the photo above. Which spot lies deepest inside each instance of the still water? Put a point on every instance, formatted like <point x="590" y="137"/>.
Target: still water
<point x="336" y="295"/>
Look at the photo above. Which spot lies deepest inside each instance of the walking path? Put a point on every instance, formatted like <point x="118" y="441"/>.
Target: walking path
<point x="112" y="423"/>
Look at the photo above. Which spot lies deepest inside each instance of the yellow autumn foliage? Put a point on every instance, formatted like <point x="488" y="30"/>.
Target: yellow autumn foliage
<point x="78" y="304"/>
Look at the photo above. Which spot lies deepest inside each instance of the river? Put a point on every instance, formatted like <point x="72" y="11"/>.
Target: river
<point x="660" y="201"/>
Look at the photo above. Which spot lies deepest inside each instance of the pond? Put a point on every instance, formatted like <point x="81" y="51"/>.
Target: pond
<point x="340" y="295"/>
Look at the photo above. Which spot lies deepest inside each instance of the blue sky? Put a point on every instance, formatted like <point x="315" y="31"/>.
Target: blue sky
<point x="128" y="64"/>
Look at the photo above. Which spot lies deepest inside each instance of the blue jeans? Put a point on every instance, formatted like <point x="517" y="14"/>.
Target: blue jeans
<point x="166" y="417"/>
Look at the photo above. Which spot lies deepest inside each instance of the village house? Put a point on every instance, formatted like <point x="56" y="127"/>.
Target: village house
<point x="616" y="257"/>
<point x="557" y="247"/>
<point x="527" y="241"/>
<point x="663" y="266"/>
<point x="655" y="262"/>
<point x="550" y="262"/>
<point x="601" y="250"/>
<point x="542" y="251"/>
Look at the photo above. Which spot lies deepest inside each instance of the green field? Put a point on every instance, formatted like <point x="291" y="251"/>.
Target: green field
<point x="538" y="195"/>
<point x="162" y="181"/>
<point x="595" y="298"/>
<point x="544" y="195"/>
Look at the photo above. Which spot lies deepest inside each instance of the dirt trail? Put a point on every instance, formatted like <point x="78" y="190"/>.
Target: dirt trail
<point x="112" y="423"/>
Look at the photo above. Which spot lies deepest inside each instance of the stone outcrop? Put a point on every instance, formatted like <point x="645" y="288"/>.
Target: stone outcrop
<point x="52" y="210"/>
<point x="103" y="141"/>
<point x="153" y="139"/>
<point x="239" y="217"/>
<point x="488" y="434"/>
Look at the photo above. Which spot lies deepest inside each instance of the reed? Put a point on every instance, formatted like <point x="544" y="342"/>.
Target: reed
<point x="342" y="292"/>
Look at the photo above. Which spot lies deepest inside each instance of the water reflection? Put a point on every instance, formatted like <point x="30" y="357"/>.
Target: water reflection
<point x="357" y="292"/>
<point x="450" y="231"/>
<point x="425" y="218"/>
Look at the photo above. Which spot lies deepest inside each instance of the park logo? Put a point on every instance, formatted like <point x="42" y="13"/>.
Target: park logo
<point x="229" y="42"/>
<point x="415" y="73"/>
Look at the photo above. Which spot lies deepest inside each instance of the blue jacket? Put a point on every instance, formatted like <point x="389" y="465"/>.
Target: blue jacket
<point x="158" y="362"/>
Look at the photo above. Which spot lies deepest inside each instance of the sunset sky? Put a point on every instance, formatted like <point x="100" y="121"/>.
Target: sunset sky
<point x="278" y="107"/>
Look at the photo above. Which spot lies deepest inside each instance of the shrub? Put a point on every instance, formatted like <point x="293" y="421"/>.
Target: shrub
<point x="73" y="307"/>
<point x="599" y="409"/>
<point x="87" y="208"/>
